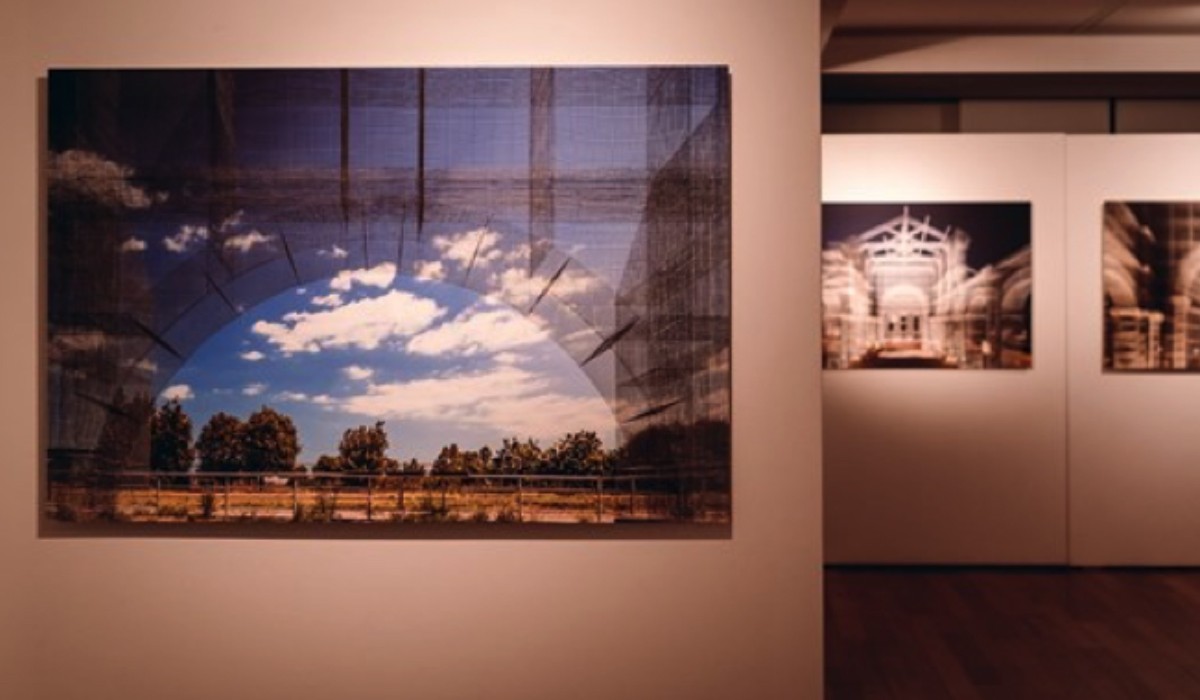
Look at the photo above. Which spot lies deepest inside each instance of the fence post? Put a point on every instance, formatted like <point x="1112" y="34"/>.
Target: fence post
<point x="520" y="499"/>
<point x="400" y="495"/>
<point x="157" y="496"/>
<point x="295" y="498"/>
<point x="370" y="500"/>
<point x="227" y="514"/>
<point x="599" y="499"/>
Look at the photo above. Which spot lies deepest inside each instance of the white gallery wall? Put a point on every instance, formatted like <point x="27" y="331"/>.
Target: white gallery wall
<point x="1064" y="463"/>
<point x="952" y="466"/>
<point x="205" y="618"/>
<point x="1134" y="443"/>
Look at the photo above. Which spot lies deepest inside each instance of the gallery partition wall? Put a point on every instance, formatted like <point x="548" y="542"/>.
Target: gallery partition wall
<point x="1081" y="457"/>
<point x="937" y="458"/>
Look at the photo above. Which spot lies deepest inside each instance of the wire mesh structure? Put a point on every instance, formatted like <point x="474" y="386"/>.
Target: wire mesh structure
<point x="951" y="288"/>
<point x="1152" y="286"/>
<point x="595" y="201"/>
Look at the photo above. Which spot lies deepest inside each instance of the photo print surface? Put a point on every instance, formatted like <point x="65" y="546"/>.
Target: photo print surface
<point x="393" y="296"/>
<point x="926" y="285"/>
<point x="1152" y="286"/>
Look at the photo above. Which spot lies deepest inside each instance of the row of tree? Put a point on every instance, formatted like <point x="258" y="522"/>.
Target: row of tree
<point x="267" y="441"/>
<point x="575" y="453"/>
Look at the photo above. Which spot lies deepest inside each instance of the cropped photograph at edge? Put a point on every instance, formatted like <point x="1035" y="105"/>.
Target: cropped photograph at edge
<point x="1152" y="286"/>
<point x="926" y="286"/>
<point x="389" y="296"/>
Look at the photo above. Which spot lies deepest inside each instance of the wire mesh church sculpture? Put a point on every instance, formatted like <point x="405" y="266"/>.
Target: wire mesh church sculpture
<point x="593" y="201"/>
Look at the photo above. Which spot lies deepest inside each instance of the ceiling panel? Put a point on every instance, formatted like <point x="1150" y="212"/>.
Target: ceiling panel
<point x="1178" y="17"/>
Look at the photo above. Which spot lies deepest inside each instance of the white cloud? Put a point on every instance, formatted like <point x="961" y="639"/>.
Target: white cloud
<point x="507" y="358"/>
<point x="358" y="373"/>
<point x="432" y="270"/>
<point x="185" y="237"/>
<point x="382" y="276"/>
<point x="133" y="244"/>
<point x="363" y="324"/>
<point x="245" y="242"/>
<point x="254" y="389"/>
<point x="515" y="286"/>
<point x="252" y="356"/>
<point x="506" y="267"/>
<point x="79" y="342"/>
<point x="291" y="397"/>
<point x="335" y="251"/>
<point x="188" y="235"/>
<point x="329" y="300"/>
<point x="177" y="392"/>
<point x="506" y="398"/>
<point x="459" y="248"/>
<point x="477" y="330"/>
<point x="143" y="365"/>
<point x="301" y="291"/>
<point x="91" y="176"/>
<point x="301" y="397"/>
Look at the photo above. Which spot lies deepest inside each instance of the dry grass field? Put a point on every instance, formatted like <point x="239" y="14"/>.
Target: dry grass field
<point x="430" y="500"/>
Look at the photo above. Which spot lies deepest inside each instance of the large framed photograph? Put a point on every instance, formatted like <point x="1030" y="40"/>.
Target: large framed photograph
<point x="389" y="295"/>
<point x="1151" y="286"/>
<point x="927" y="285"/>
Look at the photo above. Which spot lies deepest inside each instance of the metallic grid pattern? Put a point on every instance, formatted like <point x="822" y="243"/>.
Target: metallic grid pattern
<point x="614" y="178"/>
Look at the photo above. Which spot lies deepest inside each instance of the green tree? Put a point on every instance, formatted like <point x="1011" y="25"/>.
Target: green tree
<point x="363" y="448"/>
<point x="171" y="438"/>
<point x="516" y="457"/>
<point x="473" y="462"/>
<point x="270" y="441"/>
<point x="329" y="463"/>
<point x="580" y="453"/>
<point x="449" y="461"/>
<point x="221" y="445"/>
<point x="656" y="446"/>
<point x="124" y="437"/>
<point x="412" y="468"/>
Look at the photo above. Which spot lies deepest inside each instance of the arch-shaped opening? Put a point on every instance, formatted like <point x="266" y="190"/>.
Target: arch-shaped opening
<point x="438" y="363"/>
<point x="574" y="305"/>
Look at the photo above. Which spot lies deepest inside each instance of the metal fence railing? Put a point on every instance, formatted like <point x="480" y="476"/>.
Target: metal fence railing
<point x="153" y="496"/>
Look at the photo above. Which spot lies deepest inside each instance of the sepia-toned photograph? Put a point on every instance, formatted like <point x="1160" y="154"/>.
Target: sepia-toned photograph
<point x="1152" y="286"/>
<point x="926" y="286"/>
<point x="487" y="295"/>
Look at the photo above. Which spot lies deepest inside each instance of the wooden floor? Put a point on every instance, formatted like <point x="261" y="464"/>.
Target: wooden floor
<point x="1012" y="634"/>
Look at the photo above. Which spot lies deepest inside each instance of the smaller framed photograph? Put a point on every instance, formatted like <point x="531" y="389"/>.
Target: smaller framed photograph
<point x="927" y="285"/>
<point x="1152" y="286"/>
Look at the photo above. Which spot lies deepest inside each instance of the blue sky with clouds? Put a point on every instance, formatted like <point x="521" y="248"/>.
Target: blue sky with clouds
<point x="439" y="364"/>
<point x="436" y="362"/>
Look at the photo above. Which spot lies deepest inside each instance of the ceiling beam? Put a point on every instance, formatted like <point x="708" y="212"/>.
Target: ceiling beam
<point x="831" y="11"/>
<point x="938" y="87"/>
<point x="1062" y="53"/>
